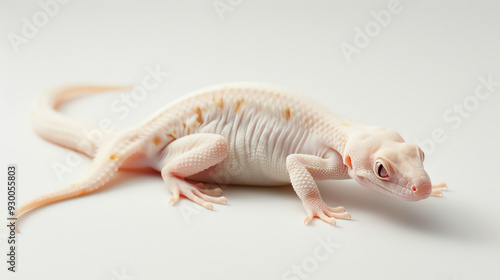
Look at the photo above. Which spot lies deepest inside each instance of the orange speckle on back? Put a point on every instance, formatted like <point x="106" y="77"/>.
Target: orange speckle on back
<point x="219" y="102"/>
<point x="157" y="140"/>
<point x="113" y="157"/>
<point x="238" y="104"/>
<point x="287" y="113"/>
<point x="171" y="136"/>
<point x="344" y="124"/>
<point x="200" y="117"/>
<point x="184" y="125"/>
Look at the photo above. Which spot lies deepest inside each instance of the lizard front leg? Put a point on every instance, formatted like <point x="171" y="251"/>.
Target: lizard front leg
<point x="190" y="155"/>
<point x="303" y="171"/>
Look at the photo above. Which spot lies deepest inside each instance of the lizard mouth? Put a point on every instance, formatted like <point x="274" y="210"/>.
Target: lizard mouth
<point x="394" y="190"/>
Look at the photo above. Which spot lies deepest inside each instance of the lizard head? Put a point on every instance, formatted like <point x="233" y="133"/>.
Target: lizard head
<point x="380" y="159"/>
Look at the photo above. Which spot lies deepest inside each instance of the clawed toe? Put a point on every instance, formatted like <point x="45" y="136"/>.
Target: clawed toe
<point x="343" y="215"/>
<point x="327" y="214"/>
<point x="440" y="186"/>
<point x="209" y="198"/>
<point x="308" y="219"/>
<point x="339" y="209"/>
<point x="194" y="192"/>
<point x="436" y="189"/>
<point x="437" y="193"/>
<point x="330" y="220"/>
<point x="208" y="189"/>
<point x="175" y="196"/>
<point x="173" y="200"/>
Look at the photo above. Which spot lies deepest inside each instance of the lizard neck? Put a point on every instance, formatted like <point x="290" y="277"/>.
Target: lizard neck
<point x="336" y="133"/>
<point x="339" y="137"/>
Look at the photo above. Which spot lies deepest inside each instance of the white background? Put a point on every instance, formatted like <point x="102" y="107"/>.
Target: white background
<point x="428" y="58"/>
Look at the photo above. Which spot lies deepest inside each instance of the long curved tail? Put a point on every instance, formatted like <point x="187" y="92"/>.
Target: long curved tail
<point x="62" y="130"/>
<point x="66" y="132"/>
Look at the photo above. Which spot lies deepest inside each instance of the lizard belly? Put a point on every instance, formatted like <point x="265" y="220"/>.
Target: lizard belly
<point x="258" y="147"/>
<point x="231" y="172"/>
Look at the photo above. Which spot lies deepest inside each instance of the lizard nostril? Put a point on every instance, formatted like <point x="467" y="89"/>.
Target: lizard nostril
<point x="414" y="188"/>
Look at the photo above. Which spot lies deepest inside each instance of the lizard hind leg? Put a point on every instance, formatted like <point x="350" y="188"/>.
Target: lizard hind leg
<point x="190" y="155"/>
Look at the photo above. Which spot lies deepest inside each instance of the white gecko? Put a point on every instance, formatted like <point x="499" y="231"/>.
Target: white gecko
<point x="240" y="133"/>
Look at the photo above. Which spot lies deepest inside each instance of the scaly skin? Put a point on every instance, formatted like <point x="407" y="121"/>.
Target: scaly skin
<point x="242" y="133"/>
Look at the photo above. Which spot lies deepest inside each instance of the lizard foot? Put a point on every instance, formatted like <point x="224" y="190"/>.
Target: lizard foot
<point x="326" y="213"/>
<point x="436" y="189"/>
<point x="193" y="192"/>
<point x="209" y="189"/>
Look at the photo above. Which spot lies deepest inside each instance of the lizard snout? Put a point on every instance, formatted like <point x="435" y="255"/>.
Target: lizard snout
<point x="421" y="187"/>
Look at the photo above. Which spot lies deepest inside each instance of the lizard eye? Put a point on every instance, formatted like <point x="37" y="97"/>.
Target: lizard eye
<point x="422" y="155"/>
<point x="381" y="171"/>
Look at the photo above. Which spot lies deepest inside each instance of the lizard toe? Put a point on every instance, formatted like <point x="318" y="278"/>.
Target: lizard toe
<point x="175" y="196"/>
<point x="326" y="213"/>
<point x="436" y="189"/>
<point x="209" y="198"/>
<point x="324" y="217"/>
<point x="343" y="215"/>
<point x="208" y="189"/>
<point x="339" y="209"/>
<point x="437" y="193"/>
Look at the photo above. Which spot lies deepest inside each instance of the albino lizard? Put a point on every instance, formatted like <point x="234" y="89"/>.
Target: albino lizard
<point x="242" y="133"/>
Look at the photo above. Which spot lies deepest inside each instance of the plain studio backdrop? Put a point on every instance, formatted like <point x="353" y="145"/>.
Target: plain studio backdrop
<point x="429" y="69"/>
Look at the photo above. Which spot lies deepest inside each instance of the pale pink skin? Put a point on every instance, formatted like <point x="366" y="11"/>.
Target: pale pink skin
<point x="242" y="133"/>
